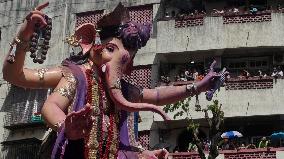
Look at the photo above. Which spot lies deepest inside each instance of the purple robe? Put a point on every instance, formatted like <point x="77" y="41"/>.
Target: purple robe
<point x="75" y="149"/>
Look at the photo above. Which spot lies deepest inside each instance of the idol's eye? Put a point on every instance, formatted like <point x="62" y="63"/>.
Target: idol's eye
<point x="110" y="49"/>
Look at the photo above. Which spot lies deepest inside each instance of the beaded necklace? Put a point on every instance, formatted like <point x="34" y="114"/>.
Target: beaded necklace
<point x="39" y="43"/>
<point x="94" y="143"/>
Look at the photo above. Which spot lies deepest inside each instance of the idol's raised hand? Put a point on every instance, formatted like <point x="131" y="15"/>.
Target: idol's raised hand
<point x="79" y="124"/>
<point x="209" y="80"/>
<point x="35" y="17"/>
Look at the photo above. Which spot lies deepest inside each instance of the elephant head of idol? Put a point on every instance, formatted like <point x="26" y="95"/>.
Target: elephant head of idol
<point x="120" y="40"/>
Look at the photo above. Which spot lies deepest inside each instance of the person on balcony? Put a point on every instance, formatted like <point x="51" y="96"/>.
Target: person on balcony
<point x="251" y="146"/>
<point x="263" y="143"/>
<point x="245" y="74"/>
<point x="236" y="10"/>
<point x="182" y="77"/>
<point x="279" y="8"/>
<point x="192" y="147"/>
<point x="188" y="75"/>
<point x="253" y="9"/>
<point x="279" y="71"/>
<point x="195" y="74"/>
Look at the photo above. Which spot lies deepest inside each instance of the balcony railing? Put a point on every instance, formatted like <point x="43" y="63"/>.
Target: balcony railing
<point x="246" y="18"/>
<point x="23" y="107"/>
<point x="249" y="83"/>
<point x="263" y="153"/>
<point x="21" y="149"/>
<point x="237" y="83"/>
<point x="12" y="121"/>
<point x="220" y="33"/>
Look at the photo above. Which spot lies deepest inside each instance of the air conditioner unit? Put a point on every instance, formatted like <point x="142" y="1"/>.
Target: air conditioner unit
<point x="278" y="59"/>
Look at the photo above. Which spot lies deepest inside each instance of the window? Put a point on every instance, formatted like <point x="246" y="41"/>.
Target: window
<point x="237" y="65"/>
<point x="252" y="64"/>
<point x="236" y="3"/>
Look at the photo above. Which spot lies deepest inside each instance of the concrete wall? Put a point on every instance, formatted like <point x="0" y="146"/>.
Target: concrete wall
<point x="216" y="35"/>
<point x="3" y="132"/>
<point x="248" y="102"/>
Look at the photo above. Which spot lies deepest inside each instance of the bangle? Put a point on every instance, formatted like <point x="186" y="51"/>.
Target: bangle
<point x="140" y="148"/>
<point x="58" y="126"/>
<point x="191" y="88"/>
<point x="21" y="43"/>
<point x="17" y="42"/>
<point x="41" y="73"/>
<point x="116" y="85"/>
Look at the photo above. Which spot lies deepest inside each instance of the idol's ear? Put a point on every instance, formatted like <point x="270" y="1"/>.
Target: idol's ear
<point x="86" y="34"/>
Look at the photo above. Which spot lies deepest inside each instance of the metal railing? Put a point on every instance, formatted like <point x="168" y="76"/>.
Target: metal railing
<point x="23" y="107"/>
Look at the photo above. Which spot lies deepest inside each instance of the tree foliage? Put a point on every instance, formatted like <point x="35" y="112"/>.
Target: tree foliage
<point x="215" y="123"/>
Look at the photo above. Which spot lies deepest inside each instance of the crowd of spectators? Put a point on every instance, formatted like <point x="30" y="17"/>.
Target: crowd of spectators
<point x="276" y="73"/>
<point x="263" y="142"/>
<point x="240" y="10"/>
<point x="193" y="74"/>
<point x="235" y="144"/>
<point x="228" y="144"/>
<point x="184" y="75"/>
<point x="243" y="11"/>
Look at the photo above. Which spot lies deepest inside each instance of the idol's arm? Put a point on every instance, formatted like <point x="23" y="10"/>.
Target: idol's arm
<point x="30" y="78"/>
<point x="76" y="124"/>
<point x="172" y="94"/>
<point x="55" y="107"/>
<point x="15" y="73"/>
<point x="166" y="95"/>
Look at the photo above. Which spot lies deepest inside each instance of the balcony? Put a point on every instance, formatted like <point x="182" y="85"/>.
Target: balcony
<point x="244" y="97"/>
<point x="22" y="107"/>
<point x="25" y="149"/>
<point x="14" y="121"/>
<point x="269" y="153"/>
<point x="215" y="33"/>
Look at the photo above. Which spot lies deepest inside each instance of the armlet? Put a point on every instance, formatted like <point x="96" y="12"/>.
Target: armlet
<point x="69" y="89"/>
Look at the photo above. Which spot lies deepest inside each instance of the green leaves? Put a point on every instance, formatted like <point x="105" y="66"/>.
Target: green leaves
<point x="214" y="128"/>
<point x="216" y="109"/>
<point x="180" y="113"/>
<point x="183" y="108"/>
<point x="192" y="126"/>
<point x="175" y="108"/>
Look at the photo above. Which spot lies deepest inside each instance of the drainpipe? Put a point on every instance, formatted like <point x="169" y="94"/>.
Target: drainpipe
<point x="64" y="30"/>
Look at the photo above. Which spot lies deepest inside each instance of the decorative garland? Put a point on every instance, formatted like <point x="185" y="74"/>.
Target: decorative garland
<point x="96" y="96"/>
<point x="109" y="137"/>
<point x="89" y="100"/>
<point x="113" y="149"/>
<point x="100" y="126"/>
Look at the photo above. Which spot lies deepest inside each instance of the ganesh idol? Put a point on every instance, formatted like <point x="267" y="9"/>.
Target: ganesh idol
<point x="91" y="107"/>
